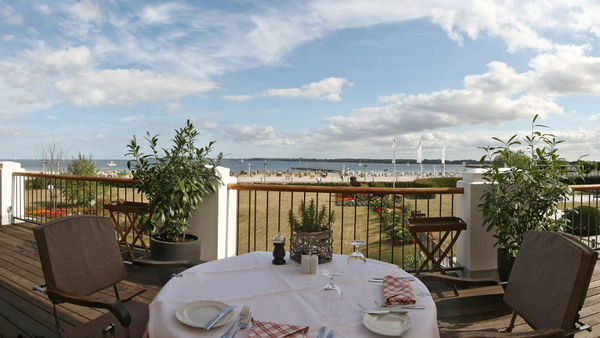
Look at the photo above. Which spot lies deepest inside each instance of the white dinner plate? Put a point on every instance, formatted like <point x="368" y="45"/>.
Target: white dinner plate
<point x="392" y="324"/>
<point x="200" y="312"/>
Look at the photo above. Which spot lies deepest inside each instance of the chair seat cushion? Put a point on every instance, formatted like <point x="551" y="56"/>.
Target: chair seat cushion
<point x="93" y="329"/>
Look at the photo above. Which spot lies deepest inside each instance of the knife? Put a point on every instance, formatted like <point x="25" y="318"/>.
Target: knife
<point x="330" y="334"/>
<point x="217" y="317"/>
<point x="321" y="333"/>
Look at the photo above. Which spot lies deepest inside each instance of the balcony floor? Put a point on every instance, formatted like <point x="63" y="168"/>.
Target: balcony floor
<point x="29" y="313"/>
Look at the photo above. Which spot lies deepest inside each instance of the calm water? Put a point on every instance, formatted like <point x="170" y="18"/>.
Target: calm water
<point x="238" y="165"/>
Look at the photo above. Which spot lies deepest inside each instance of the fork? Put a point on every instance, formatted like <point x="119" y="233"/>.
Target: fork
<point x="236" y="323"/>
<point x="244" y="321"/>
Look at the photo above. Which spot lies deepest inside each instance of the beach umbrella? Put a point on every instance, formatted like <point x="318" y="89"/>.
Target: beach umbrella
<point x="419" y="153"/>
<point x="444" y="159"/>
<point x="444" y="154"/>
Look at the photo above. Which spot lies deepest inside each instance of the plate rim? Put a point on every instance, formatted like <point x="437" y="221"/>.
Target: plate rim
<point x="404" y="328"/>
<point x="179" y="313"/>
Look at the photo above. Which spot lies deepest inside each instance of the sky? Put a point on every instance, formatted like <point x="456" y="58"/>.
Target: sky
<point x="311" y="79"/>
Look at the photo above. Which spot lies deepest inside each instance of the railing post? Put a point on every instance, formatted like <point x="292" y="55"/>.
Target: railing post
<point x="475" y="250"/>
<point x="215" y="220"/>
<point x="8" y="194"/>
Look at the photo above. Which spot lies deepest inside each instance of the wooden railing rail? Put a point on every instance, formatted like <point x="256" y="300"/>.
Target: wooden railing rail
<point x="342" y="189"/>
<point x="78" y="178"/>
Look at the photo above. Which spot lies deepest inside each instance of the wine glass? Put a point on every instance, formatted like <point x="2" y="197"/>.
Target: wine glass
<point x="330" y="299"/>
<point x="356" y="260"/>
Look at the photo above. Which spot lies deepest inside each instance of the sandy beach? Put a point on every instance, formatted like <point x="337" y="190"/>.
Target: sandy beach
<point x="323" y="177"/>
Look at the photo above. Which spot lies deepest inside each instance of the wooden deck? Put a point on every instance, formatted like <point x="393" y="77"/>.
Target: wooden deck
<point x="29" y="313"/>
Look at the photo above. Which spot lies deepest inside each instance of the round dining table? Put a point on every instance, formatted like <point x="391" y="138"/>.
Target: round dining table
<point x="281" y="294"/>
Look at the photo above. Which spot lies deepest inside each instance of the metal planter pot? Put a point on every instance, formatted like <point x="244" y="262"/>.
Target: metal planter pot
<point x="319" y="243"/>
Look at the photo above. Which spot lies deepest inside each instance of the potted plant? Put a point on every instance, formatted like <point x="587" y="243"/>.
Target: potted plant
<point x="311" y="232"/>
<point x="175" y="181"/>
<point x="526" y="187"/>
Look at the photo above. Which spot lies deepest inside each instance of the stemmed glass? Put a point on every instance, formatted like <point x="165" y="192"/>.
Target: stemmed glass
<point x="330" y="298"/>
<point x="356" y="260"/>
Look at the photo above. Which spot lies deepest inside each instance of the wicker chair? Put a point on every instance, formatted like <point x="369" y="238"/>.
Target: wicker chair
<point x="547" y="285"/>
<point x="80" y="256"/>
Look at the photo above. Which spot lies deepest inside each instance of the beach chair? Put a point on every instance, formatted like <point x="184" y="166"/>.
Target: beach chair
<point x="547" y="285"/>
<point x="80" y="256"/>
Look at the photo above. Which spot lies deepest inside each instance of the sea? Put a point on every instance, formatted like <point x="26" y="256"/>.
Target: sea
<point x="237" y="165"/>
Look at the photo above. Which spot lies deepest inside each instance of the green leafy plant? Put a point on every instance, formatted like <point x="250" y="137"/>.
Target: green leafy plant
<point x="525" y="187"/>
<point x="310" y="219"/>
<point x="80" y="191"/>
<point x="174" y="180"/>
<point x="582" y="220"/>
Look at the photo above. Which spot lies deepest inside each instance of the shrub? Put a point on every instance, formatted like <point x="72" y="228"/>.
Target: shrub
<point x="310" y="219"/>
<point x="582" y="221"/>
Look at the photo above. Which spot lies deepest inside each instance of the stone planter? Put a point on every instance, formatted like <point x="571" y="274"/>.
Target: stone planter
<point x="320" y="243"/>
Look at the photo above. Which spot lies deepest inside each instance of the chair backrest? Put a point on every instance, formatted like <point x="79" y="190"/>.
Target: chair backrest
<point x="549" y="279"/>
<point x="79" y="254"/>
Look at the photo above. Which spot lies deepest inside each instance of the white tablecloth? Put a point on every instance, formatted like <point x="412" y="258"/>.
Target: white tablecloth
<point x="280" y="293"/>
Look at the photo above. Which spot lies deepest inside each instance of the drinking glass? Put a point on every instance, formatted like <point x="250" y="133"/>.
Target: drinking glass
<point x="330" y="299"/>
<point x="356" y="260"/>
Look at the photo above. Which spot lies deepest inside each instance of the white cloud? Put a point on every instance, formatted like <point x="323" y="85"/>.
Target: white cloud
<point x="128" y="118"/>
<point x="327" y="89"/>
<point x="172" y="107"/>
<point x="256" y="134"/>
<point x="8" y="37"/>
<point x="69" y="59"/>
<point x="239" y="98"/>
<point x="391" y="98"/>
<point x="10" y="17"/>
<point x="52" y="117"/>
<point x="127" y="87"/>
<point x="162" y="14"/>
<point x="87" y="11"/>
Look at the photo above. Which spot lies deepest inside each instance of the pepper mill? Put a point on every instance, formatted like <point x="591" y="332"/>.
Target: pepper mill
<point x="278" y="249"/>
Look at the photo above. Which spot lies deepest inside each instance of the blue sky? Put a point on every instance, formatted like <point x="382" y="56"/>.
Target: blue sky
<point x="324" y="79"/>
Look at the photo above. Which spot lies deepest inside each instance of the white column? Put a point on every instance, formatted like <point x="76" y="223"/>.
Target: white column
<point x="475" y="249"/>
<point x="7" y="190"/>
<point x="215" y="220"/>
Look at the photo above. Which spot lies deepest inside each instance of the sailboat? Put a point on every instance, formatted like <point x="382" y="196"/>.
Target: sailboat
<point x="111" y="164"/>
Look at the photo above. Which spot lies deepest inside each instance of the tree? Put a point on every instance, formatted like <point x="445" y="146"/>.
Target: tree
<point x="52" y="156"/>
<point x="79" y="191"/>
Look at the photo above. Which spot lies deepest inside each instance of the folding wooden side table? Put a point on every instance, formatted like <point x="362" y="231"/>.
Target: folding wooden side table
<point x="435" y="224"/>
<point x="132" y="211"/>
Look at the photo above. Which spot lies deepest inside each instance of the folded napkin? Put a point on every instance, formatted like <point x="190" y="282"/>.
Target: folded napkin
<point x="397" y="291"/>
<point x="268" y="329"/>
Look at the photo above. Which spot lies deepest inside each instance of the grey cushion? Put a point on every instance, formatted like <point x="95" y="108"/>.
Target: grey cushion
<point x="549" y="280"/>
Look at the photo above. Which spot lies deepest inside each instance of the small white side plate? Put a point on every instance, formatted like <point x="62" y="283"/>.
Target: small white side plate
<point x="393" y="324"/>
<point x="199" y="313"/>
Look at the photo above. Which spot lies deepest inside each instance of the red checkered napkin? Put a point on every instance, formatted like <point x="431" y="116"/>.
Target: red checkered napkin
<point x="268" y="329"/>
<point x="397" y="291"/>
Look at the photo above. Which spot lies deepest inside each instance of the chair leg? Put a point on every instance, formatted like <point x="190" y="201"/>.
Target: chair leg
<point x="511" y="326"/>
<point x="116" y="292"/>
<point x="56" y="318"/>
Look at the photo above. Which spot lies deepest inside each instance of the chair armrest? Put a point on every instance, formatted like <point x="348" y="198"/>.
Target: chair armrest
<point x="457" y="280"/>
<point x="171" y="264"/>
<point x="117" y="308"/>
